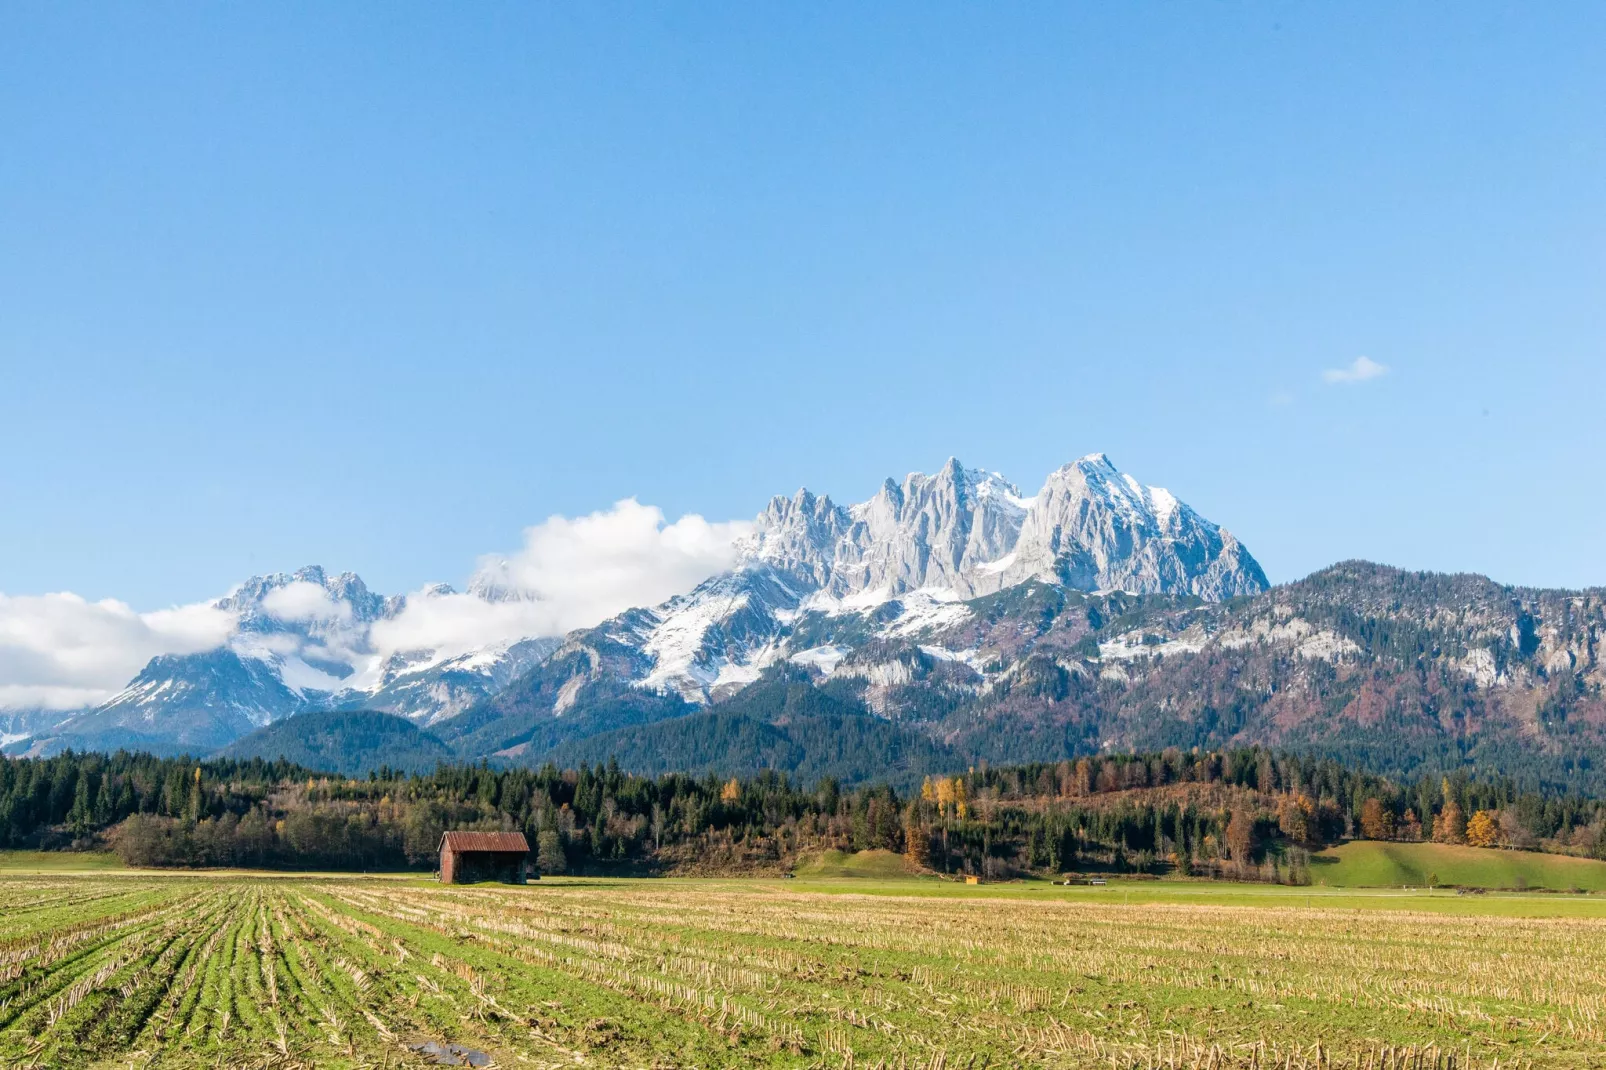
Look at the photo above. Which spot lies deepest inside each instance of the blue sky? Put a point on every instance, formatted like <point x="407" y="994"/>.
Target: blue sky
<point x="378" y="286"/>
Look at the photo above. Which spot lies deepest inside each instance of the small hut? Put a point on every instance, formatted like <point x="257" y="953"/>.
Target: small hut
<point x="484" y="856"/>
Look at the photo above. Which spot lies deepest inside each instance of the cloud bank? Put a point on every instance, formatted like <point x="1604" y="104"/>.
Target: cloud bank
<point x="571" y="573"/>
<point x="1359" y="370"/>
<point x="60" y="651"/>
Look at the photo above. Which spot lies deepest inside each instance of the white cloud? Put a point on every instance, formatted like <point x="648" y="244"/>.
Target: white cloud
<point x="454" y="624"/>
<point x="1359" y="370"/>
<point x="571" y="573"/>
<point x="61" y="651"/>
<point x="306" y="603"/>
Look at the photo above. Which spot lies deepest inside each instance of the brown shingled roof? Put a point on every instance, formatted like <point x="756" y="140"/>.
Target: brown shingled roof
<point x="485" y="841"/>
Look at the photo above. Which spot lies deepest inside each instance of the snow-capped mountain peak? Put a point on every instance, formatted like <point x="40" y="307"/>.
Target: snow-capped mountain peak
<point x="1095" y="528"/>
<point x="912" y="553"/>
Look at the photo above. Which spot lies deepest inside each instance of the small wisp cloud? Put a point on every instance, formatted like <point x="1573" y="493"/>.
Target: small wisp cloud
<point x="304" y="602"/>
<point x="1359" y="370"/>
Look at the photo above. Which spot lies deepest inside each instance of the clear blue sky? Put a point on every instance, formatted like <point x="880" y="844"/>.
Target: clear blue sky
<point x="377" y="285"/>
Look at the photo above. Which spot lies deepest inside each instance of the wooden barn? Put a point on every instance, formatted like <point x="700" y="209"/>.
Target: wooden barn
<point x="484" y="856"/>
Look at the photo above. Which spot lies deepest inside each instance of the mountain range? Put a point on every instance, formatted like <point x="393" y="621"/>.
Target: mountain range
<point x="946" y="620"/>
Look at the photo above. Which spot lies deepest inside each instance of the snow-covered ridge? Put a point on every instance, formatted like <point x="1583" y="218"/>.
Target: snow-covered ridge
<point x="909" y="558"/>
<point x="901" y="565"/>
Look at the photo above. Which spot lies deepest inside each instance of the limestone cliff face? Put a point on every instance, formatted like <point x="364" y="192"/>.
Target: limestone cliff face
<point x="1094" y="528"/>
<point x="972" y="532"/>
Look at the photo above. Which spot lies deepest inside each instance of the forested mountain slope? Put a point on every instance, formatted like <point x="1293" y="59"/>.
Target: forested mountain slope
<point x="1403" y="672"/>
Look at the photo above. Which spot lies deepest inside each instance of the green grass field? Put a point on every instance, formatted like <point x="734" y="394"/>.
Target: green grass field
<point x="1367" y="863"/>
<point x="121" y="968"/>
<point x="57" y="861"/>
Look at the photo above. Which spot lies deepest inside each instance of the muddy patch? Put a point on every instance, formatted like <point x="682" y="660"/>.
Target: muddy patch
<point x="451" y="1054"/>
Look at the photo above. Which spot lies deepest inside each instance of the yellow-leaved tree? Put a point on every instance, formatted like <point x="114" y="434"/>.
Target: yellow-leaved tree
<point x="1482" y="829"/>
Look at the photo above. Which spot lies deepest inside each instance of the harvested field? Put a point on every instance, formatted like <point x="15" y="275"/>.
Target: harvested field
<point x="208" y="970"/>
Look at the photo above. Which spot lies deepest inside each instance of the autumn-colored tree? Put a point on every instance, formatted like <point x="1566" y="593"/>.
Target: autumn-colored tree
<point x="1483" y="829"/>
<point x="1451" y="824"/>
<point x="1082" y="778"/>
<point x="927" y="792"/>
<point x="1241" y="837"/>
<point x="916" y="840"/>
<point x="1376" y="822"/>
<point x="1063" y="782"/>
<point x="731" y="791"/>
<point x="1410" y="828"/>
<point x="1295" y="818"/>
<point x="1513" y="833"/>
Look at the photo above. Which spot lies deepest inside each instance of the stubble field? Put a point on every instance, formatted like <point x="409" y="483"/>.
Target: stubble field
<point x="218" y="970"/>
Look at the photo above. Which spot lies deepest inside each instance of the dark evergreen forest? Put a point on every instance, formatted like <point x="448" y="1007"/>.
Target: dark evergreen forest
<point x="1249" y="812"/>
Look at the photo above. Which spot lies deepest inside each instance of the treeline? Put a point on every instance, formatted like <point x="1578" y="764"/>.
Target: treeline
<point x="1244" y="813"/>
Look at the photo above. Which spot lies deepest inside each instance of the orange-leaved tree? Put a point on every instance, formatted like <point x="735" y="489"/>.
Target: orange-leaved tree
<point x="1376" y="822"/>
<point x="1483" y="830"/>
<point x="1451" y="824"/>
<point x="916" y="839"/>
<point x="1241" y="837"/>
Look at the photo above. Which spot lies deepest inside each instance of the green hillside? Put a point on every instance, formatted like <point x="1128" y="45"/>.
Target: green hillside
<point x="880" y="865"/>
<point x="782" y="723"/>
<point x="1374" y="864"/>
<point x="350" y="742"/>
<point x="13" y="862"/>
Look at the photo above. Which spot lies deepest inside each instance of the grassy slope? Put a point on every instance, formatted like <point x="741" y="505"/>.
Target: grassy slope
<point x="881" y="865"/>
<point x="1366" y="863"/>
<point x="58" y="861"/>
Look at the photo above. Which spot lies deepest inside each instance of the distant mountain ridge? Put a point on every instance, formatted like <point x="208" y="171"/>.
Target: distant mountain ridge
<point x="350" y="742"/>
<point x="947" y="619"/>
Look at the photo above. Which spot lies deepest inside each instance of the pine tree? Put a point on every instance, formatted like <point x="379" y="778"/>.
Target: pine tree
<point x="81" y="814"/>
<point x="549" y="852"/>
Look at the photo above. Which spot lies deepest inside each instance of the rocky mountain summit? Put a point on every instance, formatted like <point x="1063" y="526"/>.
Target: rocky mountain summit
<point x="972" y="532"/>
<point x="1093" y="528"/>
<point x="910" y="556"/>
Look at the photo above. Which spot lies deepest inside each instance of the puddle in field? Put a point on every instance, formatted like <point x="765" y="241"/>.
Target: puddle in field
<point x="452" y="1054"/>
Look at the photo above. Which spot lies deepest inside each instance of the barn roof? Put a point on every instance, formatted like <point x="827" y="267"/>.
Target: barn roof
<point x="485" y="841"/>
